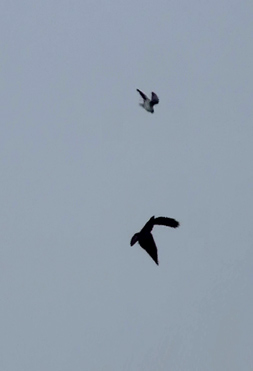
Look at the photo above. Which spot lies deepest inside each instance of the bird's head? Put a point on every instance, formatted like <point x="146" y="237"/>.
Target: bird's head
<point x="134" y="239"/>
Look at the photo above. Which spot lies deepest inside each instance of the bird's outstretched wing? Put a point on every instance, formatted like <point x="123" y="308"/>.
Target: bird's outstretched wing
<point x="154" y="99"/>
<point x="148" y="244"/>
<point x="142" y="94"/>
<point x="168" y="222"/>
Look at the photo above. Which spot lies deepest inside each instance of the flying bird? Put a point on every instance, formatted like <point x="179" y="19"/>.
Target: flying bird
<point x="148" y="104"/>
<point x="145" y="238"/>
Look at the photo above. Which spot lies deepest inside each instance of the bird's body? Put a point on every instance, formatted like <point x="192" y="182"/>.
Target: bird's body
<point x="148" y="104"/>
<point x="145" y="238"/>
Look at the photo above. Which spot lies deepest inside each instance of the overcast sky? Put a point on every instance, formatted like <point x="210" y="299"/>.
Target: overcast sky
<point x="83" y="167"/>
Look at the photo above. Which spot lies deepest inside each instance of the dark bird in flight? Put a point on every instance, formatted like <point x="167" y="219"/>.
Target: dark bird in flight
<point x="145" y="238"/>
<point x="148" y="104"/>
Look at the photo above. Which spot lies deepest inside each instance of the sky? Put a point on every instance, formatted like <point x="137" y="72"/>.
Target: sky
<point x="83" y="167"/>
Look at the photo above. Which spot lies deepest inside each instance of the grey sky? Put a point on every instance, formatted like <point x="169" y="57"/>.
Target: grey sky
<point x="83" y="167"/>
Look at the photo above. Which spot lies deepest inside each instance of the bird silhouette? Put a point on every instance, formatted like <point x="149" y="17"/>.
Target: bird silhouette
<point x="145" y="238"/>
<point x="148" y="104"/>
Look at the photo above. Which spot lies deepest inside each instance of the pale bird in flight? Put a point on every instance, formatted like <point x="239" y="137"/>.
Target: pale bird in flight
<point x="148" y="104"/>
